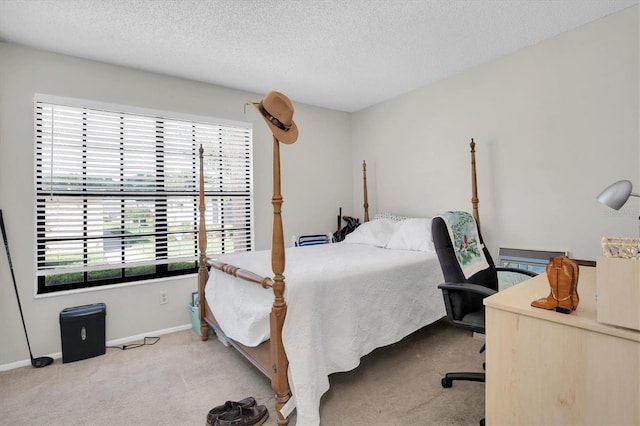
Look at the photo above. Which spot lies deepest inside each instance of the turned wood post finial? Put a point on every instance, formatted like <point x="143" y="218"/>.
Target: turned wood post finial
<point x="366" y="197"/>
<point x="474" y="184"/>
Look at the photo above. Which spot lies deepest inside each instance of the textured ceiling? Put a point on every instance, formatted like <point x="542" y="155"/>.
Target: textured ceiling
<point x="344" y="55"/>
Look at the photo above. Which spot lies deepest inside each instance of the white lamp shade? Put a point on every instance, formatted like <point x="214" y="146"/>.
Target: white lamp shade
<point x="616" y="194"/>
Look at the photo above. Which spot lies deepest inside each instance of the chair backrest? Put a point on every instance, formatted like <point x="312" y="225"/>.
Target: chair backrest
<point x="460" y="303"/>
<point x="449" y="263"/>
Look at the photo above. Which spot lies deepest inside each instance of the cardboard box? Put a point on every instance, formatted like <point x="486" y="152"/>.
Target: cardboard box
<point x="618" y="291"/>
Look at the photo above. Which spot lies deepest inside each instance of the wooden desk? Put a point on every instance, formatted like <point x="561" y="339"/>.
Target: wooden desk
<point x="546" y="368"/>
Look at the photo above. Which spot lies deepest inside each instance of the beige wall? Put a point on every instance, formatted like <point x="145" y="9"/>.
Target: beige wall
<point x="315" y="173"/>
<point x="554" y="124"/>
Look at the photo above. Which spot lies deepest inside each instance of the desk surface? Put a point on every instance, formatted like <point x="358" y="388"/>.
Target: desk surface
<point x="517" y="299"/>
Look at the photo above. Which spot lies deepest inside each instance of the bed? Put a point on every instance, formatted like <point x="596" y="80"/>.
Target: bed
<point x="340" y="301"/>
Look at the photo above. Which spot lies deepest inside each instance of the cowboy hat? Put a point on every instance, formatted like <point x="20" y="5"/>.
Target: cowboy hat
<point x="277" y="111"/>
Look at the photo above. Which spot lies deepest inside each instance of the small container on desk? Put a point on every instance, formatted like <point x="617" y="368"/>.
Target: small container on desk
<point x="618" y="283"/>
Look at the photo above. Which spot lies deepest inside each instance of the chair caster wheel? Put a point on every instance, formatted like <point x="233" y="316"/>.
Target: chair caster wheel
<point x="482" y="422"/>
<point x="446" y="383"/>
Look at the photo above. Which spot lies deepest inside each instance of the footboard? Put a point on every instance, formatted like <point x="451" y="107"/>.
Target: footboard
<point x="259" y="356"/>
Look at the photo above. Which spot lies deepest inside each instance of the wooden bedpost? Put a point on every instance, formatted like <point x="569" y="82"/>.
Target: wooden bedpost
<point x="474" y="184"/>
<point x="202" y="248"/>
<point x="366" y="196"/>
<point x="280" y="380"/>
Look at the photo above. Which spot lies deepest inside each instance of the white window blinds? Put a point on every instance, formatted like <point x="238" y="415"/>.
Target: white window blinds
<point x="117" y="194"/>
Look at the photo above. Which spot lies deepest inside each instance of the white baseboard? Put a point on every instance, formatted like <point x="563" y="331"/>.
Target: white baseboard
<point x="18" y="364"/>
<point x="58" y="355"/>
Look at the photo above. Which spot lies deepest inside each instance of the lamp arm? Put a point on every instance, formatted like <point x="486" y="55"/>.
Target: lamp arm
<point x="634" y="194"/>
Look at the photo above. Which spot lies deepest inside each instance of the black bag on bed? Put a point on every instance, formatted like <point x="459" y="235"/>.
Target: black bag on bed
<point x="352" y="224"/>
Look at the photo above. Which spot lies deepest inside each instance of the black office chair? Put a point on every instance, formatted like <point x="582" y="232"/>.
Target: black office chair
<point x="463" y="296"/>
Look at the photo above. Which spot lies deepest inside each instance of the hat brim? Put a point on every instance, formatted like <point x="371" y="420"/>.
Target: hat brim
<point x="289" y="136"/>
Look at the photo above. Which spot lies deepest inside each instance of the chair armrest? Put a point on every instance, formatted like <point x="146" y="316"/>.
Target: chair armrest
<point x="518" y="271"/>
<point x="468" y="287"/>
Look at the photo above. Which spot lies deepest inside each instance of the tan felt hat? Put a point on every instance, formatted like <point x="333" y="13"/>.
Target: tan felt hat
<point x="277" y="111"/>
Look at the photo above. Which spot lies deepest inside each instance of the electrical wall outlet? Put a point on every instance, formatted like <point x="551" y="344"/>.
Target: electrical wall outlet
<point x="164" y="298"/>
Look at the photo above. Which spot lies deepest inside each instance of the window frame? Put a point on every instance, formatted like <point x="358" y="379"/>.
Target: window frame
<point x="162" y="269"/>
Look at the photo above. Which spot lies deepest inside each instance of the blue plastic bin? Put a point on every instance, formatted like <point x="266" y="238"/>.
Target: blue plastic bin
<point x="195" y="319"/>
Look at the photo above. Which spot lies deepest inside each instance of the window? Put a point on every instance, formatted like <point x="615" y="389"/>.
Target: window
<point x="117" y="194"/>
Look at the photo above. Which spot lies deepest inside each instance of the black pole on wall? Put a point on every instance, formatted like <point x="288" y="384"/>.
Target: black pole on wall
<point x="42" y="361"/>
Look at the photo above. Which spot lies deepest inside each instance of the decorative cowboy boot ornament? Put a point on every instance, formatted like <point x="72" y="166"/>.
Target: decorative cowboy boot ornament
<point x="562" y="274"/>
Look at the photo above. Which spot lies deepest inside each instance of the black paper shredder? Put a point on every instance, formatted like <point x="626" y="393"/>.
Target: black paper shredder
<point x="82" y="331"/>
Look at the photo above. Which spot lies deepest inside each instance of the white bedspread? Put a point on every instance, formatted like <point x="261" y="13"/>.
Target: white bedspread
<point x="344" y="300"/>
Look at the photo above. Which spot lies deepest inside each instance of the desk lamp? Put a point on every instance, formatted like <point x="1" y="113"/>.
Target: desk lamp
<point x="616" y="194"/>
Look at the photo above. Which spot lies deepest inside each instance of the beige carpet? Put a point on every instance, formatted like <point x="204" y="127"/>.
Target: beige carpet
<point x="177" y="381"/>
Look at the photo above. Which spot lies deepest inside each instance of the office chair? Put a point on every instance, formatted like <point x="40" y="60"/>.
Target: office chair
<point x="463" y="296"/>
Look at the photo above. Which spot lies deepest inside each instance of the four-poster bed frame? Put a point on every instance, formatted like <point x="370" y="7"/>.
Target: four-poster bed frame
<point x="270" y="357"/>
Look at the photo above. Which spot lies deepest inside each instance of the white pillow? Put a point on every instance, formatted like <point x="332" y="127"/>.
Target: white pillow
<point x="375" y="232"/>
<point x="412" y="234"/>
